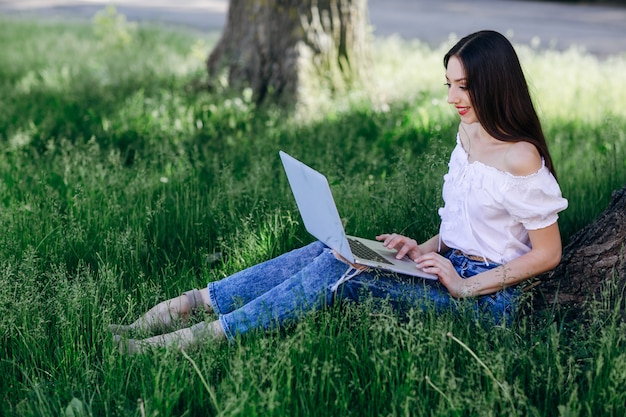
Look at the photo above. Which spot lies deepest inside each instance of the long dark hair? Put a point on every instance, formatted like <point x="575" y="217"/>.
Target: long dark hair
<point x="498" y="90"/>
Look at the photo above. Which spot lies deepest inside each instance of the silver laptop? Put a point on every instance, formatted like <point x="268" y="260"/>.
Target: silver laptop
<point x="321" y="218"/>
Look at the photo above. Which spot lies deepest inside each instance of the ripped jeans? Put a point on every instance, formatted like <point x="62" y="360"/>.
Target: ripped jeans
<point x="282" y="289"/>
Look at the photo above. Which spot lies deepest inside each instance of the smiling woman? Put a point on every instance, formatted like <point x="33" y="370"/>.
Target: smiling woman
<point x="497" y="96"/>
<point x="498" y="226"/>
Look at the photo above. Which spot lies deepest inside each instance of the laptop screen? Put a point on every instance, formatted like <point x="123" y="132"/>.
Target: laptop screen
<point x="316" y="205"/>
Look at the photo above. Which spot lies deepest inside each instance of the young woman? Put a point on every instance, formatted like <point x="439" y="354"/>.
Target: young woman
<point x="498" y="224"/>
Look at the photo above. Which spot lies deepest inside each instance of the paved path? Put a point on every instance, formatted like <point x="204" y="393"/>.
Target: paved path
<point x="599" y="29"/>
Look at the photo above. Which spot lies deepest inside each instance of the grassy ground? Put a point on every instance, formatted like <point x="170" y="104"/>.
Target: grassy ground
<point x="119" y="186"/>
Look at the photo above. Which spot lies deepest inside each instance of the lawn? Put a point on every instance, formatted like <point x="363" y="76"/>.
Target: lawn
<point x="121" y="185"/>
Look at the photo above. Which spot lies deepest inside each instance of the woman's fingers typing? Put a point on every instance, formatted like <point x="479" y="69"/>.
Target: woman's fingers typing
<point x="404" y="245"/>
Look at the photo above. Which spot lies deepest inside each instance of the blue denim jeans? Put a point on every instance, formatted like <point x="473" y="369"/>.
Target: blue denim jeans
<point x="282" y="289"/>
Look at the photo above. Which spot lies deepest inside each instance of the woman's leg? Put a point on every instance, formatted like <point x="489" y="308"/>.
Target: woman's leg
<point x="168" y="314"/>
<point x="238" y="288"/>
<point x="241" y="288"/>
<point x="405" y="292"/>
<point x="400" y="291"/>
<point x="307" y="290"/>
<point x="310" y="289"/>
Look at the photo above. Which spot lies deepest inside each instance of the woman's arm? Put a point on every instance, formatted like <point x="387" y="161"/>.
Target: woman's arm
<point x="544" y="256"/>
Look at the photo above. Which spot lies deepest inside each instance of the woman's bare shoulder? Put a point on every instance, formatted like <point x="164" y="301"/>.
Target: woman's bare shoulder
<point x="522" y="159"/>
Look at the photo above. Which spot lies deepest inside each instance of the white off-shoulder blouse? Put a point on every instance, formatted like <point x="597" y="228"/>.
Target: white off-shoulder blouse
<point x="488" y="212"/>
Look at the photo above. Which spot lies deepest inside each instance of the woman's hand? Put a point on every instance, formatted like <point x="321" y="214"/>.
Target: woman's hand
<point x="404" y="245"/>
<point x="435" y="264"/>
<point x="429" y="261"/>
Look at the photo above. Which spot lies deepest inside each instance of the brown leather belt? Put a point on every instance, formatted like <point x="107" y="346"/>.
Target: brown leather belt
<point x="471" y="257"/>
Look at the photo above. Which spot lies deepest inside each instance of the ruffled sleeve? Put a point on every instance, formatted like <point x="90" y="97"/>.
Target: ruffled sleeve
<point x="534" y="200"/>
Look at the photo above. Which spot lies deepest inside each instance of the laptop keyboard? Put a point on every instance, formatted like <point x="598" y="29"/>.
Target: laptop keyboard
<point x="361" y="251"/>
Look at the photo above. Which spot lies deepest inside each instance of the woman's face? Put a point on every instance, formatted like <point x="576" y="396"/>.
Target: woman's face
<point x="458" y="95"/>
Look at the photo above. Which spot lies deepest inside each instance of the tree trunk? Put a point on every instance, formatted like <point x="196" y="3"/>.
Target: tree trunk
<point x="288" y="49"/>
<point x="593" y="261"/>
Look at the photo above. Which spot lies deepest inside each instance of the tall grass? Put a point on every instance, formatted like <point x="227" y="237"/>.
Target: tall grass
<point x="120" y="187"/>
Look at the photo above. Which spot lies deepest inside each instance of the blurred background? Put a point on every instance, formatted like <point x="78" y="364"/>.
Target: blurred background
<point x="598" y="26"/>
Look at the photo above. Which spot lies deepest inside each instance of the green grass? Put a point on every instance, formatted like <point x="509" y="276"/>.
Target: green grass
<point x="119" y="185"/>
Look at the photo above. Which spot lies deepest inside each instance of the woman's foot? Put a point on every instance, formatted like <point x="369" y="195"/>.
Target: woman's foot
<point x="120" y="329"/>
<point x="180" y="339"/>
<point x="126" y="346"/>
<point x="167" y="315"/>
<point x="129" y="346"/>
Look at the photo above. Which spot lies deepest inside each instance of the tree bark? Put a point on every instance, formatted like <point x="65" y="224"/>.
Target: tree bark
<point x="287" y="49"/>
<point x="593" y="262"/>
